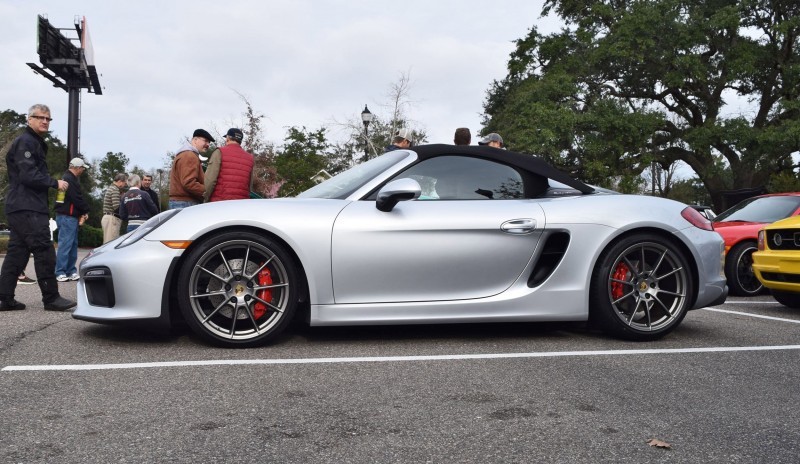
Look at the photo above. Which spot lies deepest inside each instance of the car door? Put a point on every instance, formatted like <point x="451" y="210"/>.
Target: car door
<point x="470" y="235"/>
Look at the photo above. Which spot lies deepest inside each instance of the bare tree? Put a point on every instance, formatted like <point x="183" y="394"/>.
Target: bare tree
<point x="384" y="125"/>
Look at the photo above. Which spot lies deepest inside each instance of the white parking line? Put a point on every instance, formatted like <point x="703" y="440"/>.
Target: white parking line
<point x="751" y="302"/>
<point x="235" y="362"/>
<point x="753" y="315"/>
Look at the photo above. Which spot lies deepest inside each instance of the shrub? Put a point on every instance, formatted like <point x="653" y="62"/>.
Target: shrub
<point x="88" y="236"/>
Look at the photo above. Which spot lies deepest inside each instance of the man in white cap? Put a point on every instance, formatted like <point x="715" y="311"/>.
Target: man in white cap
<point x="71" y="211"/>
<point x="402" y="139"/>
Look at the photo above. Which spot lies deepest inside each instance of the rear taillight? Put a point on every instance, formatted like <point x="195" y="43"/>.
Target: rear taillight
<point x="696" y="219"/>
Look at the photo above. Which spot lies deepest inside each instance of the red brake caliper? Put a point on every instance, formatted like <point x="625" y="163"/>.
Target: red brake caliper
<point x="620" y="273"/>
<point x="264" y="278"/>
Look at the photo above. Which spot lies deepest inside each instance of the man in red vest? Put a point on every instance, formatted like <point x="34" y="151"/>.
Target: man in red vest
<point x="229" y="175"/>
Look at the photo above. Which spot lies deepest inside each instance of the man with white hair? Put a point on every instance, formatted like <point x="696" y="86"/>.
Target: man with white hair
<point x="136" y="206"/>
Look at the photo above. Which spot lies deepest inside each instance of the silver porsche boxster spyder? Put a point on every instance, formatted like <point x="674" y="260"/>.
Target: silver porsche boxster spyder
<point x="430" y="234"/>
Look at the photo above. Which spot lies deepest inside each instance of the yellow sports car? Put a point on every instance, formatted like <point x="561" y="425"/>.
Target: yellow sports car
<point x="777" y="261"/>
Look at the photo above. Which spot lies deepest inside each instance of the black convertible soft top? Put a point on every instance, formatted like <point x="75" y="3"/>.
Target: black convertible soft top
<point x="530" y="163"/>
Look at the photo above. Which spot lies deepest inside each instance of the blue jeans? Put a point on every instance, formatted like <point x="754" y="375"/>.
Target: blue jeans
<point x="180" y="204"/>
<point x="67" y="253"/>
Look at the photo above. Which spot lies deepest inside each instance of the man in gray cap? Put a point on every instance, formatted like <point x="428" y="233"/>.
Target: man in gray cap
<point x="403" y="138"/>
<point x="492" y="140"/>
<point x="186" y="180"/>
<point x="229" y="175"/>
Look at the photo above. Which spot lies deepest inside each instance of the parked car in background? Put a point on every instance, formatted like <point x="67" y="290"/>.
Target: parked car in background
<point x="431" y="234"/>
<point x="777" y="261"/>
<point x="705" y="211"/>
<point x="739" y="226"/>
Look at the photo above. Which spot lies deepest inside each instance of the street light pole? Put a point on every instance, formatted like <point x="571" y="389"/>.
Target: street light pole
<point x="366" y="118"/>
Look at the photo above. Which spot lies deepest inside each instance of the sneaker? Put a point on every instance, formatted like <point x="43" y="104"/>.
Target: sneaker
<point x="74" y="276"/>
<point x="59" y="304"/>
<point x="11" y="305"/>
<point x="62" y="278"/>
<point x="26" y="281"/>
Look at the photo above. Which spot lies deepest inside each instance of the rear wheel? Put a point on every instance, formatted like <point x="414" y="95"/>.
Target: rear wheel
<point x="788" y="299"/>
<point x="238" y="289"/>
<point x="742" y="281"/>
<point x="641" y="288"/>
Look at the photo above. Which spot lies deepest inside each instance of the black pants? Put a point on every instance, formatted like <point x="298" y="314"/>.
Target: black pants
<point x="30" y="233"/>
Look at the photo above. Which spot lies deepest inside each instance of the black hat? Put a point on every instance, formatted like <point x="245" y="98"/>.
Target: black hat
<point x="203" y="133"/>
<point x="235" y="134"/>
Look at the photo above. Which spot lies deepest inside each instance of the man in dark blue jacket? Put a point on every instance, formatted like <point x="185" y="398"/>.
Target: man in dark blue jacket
<point x="69" y="213"/>
<point x="28" y="215"/>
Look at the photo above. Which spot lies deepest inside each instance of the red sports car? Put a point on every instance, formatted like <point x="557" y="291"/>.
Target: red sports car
<point x="739" y="227"/>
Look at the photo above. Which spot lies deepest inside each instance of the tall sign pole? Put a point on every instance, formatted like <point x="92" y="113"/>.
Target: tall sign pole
<point x="68" y="67"/>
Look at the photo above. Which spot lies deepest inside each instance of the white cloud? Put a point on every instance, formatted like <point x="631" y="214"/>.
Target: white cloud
<point x="170" y="67"/>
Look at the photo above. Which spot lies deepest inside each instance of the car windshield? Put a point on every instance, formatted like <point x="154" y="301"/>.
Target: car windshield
<point x="761" y="209"/>
<point x="347" y="182"/>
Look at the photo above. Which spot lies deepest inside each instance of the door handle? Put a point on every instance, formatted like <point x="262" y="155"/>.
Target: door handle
<point x="519" y="226"/>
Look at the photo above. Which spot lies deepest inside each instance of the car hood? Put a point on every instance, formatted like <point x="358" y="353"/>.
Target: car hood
<point x="734" y="231"/>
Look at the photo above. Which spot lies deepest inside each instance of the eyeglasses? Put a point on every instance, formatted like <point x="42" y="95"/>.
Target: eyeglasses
<point x="42" y="118"/>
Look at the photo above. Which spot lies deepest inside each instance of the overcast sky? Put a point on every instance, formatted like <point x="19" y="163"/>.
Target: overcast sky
<point x="169" y="67"/>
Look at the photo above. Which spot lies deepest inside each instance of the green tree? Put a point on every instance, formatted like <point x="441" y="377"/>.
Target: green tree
<point x="629" y="82"/>
<point x="111" y="165"/>
<point x="302" y="157"/>
<point x="266" y="181"/>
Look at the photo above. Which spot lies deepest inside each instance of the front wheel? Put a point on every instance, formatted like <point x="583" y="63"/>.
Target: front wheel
<point x="742" y="280"/>
<point x="238" y="289"/>
<point x="641" y="288"/>
<point x="788" y="299"/>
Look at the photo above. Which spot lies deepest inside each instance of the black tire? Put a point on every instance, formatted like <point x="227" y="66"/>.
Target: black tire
<point x="788" y="299"/>
<point x="641" y="288"/>
<point x="220" y="295"/>
<point x="742" y="281"/>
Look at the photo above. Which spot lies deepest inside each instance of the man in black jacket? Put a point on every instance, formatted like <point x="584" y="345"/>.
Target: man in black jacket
<point x="70" y="213"/>
<point x="28" y="216"/>
<point x="147" y="182"/>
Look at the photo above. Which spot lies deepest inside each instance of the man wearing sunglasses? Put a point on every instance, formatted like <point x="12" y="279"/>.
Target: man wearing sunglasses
<point x="28" y="215"/>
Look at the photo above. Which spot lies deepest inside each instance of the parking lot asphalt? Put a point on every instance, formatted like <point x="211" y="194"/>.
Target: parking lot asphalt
<point x="721" y="388"/>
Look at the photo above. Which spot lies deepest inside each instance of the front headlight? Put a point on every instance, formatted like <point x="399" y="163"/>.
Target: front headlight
<point x="762" y="239"/>
<point x="152" y="224"/>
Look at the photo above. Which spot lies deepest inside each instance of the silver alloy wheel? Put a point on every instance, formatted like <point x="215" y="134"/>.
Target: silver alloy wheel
<point x="647" y="286"/>
<point x="228" y="293"/>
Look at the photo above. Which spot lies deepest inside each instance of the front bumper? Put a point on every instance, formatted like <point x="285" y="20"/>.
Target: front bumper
<point x="778" y="270"/>
<point x="131" y="283"/>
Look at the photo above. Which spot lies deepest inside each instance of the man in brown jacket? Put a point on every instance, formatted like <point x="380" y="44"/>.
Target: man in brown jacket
<point x="186" y="181"/>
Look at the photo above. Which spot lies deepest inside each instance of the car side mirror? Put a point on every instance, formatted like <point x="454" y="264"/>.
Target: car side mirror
<point x="396" y="191"/>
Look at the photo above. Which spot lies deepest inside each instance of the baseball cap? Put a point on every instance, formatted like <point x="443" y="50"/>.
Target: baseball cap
<point x="493" y="137"/>
<point x="405" y="134"/>
<point x="235" y="134"/>
<point x="78" y="163"/>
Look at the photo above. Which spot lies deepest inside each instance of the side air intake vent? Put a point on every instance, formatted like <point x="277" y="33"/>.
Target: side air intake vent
<point x="554" y="248"/>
